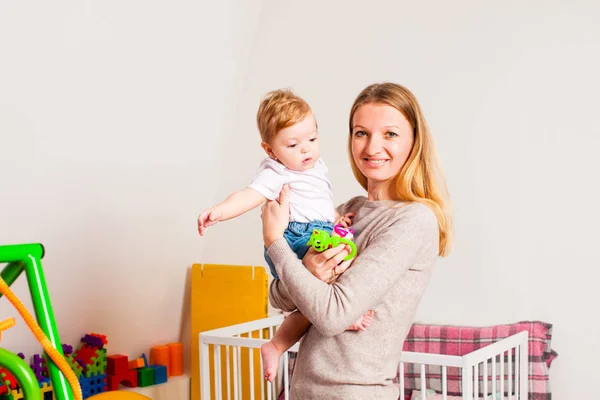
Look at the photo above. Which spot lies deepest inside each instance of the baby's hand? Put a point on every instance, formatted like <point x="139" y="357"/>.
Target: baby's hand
<point x="363" y="322"/>
<point x="345" y="220"/>
<point x="207" y="218"/>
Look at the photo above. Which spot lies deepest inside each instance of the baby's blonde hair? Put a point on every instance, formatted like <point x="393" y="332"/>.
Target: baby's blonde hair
<point x="420" y="179"/>
<point x="279" y="109"/>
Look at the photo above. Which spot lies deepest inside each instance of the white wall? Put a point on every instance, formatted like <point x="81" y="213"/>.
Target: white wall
<point x="110" y="114"/>
<point x="510" y="91"/>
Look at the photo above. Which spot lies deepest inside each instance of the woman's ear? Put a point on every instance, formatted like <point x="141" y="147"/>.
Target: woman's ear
<point x="268" y="149"/>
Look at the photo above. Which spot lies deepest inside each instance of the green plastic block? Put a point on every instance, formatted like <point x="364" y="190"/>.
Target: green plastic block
<point x="77" y="369"/>
<point x="145" y="377"/>
<point x="98" y="365"/>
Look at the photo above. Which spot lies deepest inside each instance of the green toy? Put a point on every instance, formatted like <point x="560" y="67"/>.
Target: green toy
<point x="320" y="240"/>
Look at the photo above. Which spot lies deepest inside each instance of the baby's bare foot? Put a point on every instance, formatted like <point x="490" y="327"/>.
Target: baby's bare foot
<point x="270" y="356"/>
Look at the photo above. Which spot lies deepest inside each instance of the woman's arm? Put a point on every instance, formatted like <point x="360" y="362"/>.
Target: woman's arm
<point x="387" y="257"/>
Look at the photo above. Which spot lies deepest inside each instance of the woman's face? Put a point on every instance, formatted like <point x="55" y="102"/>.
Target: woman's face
<point x="382" y="139"/>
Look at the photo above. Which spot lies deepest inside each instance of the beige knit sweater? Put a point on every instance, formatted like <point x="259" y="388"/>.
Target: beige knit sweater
<point x="397" y="249"/>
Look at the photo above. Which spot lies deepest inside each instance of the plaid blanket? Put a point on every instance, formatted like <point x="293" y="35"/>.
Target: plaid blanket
<point x="458" y="341"/>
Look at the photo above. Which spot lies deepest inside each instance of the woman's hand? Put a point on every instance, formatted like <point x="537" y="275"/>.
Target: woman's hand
<point x="275" y="217"/>
<point x="326" y="265"/>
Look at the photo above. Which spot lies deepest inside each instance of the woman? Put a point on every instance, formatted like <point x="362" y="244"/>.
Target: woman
<point x="400" y="230"/>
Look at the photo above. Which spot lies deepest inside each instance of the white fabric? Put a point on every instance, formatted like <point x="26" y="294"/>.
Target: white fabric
<point x="311" y="198"/>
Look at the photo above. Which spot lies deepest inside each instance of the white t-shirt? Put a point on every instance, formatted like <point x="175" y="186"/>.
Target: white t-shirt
<point x="311" y="198"/>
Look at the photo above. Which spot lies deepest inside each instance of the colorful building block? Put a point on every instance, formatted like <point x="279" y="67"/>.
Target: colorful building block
<point x="145" y="360"/>
<point x="39" y="367"/>
<point x="84" y="354"/>
<point x="160" y="355"/>
<point x="75" y="366"/>
<point x="97" y="365"/>
<point x="128" y="378"/>
<point x="116" y="364"/>
<point x="67" y="349"/>
<point x="137" y="363"/>
<point x="46" y="391"/>
<point x="175" y="359"/>
<point x="160" y="373"/>
<point x="145" y="377"/>
<point x="17" y="394"/>
<point x="7" y="378"/>
<point x="102" y="337"/>
<point x="94" y="340"/>
<point x="93" y="385"/>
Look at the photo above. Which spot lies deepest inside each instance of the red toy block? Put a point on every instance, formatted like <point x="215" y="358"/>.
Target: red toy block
<point x="8" y="377"/>
<point x="117" y="364"/>
<point x="84" y="354"/>
<point x="3" y="389"/>
<point x="129" y="378"/>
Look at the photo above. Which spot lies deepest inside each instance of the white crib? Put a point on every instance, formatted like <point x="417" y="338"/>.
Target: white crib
<point x="231" y="366"/>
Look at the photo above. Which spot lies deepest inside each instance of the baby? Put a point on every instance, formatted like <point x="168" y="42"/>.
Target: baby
<point x="290" y="138"/>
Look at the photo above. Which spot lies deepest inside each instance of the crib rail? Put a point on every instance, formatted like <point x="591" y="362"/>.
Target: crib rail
<point x="231" y="366"/>
<point x="475" y="382"/>
<point x="240" y="375"/>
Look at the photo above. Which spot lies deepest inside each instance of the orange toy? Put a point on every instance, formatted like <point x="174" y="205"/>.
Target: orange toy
<point x="176" y="359"/>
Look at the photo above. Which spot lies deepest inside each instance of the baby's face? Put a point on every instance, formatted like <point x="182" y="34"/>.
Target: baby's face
<point x="297" y="146"/>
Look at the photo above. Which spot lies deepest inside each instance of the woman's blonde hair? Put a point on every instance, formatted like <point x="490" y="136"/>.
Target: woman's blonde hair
<point x="421" y="178"/>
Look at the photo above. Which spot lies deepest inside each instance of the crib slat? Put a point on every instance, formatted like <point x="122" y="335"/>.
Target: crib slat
<point x="524" y="361"/>
<point x="517" y="377"/>
<point x="467" y="382"/>
<point x="240" y="378"/>
<point x="237" y="373"/>
<point x="269" y="390"/>
<point x="262" y="380"/>
<point x="476" y="382"/>
<point x="502" y="374"/>
<point x="205" y="370"/>
<point x="218" y="387"/>
<point x="494" y="376"/>
<point x="423" y="382"/>
<point x="444" y="383"/>
<point x="401" y="373"/>
<point x="251" y="367"/>
<point x="228" y="372"/>
<point x="510" y="377"/>
<point x="286" y="379"/>
<point x="485" y="379"/>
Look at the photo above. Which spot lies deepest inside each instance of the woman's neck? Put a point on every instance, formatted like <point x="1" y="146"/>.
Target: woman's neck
<point x="377" y="191"/>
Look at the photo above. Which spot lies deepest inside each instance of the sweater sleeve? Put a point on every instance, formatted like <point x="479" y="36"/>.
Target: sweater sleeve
<point x="279" y="296"/>
<point x="412" y="237"/>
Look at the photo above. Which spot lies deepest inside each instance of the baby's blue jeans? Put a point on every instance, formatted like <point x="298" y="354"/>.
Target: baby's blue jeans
<point x="297" y="235"/>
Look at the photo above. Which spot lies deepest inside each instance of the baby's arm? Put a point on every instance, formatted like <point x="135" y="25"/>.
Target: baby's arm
<point x="235" y="205"/>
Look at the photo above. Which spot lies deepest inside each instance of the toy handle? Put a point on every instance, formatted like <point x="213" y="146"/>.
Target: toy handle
<point x="352" y="247"/>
